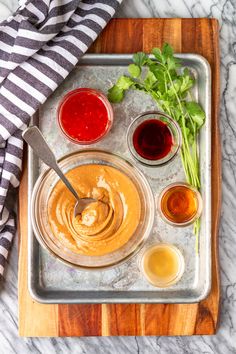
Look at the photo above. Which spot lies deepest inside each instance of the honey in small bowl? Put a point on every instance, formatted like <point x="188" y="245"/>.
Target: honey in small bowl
<point x="180" y="204"/>
<point x="162" y="265"/>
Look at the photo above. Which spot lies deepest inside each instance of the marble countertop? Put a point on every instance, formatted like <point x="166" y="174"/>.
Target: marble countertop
<point x="225" y="340"/>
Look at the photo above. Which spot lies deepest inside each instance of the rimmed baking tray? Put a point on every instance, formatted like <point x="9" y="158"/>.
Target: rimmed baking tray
<point x="51" y="281"/>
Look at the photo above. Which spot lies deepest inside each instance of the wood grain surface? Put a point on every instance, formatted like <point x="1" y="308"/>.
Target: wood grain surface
<point x="127" y="36"/>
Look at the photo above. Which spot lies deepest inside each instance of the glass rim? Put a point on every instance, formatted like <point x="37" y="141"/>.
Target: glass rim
<point x="181" y="262"/>
<point x="104" y="100"/>
<point x="199" y="204"/>
<point x="172" y="124"/>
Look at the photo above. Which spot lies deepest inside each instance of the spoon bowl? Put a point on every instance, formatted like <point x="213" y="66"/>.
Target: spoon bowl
<point x="81" y="204"/>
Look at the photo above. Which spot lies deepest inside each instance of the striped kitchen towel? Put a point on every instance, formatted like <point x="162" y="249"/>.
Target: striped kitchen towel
<point x="39" y="45"/>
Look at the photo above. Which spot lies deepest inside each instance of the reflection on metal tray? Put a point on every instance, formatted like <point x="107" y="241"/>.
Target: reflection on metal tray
<point x="50" y="281"/>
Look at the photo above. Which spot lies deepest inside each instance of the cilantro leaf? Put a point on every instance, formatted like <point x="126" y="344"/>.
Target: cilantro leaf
<point x="115" y="94"/>
<point x="157" y="54"/>
<point x="140" y="59"/>
<point x="196" y="112"/>
<point x="134" y="70"/>
<point x="186" y="81"/>
<point x="124" y="82"/>
<point x="171" y="65"/>
<point x="167" y="51"/>
<point x="150" y="79"/>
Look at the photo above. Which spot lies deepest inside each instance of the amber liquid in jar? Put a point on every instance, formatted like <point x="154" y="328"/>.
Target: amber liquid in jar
<point x="162" y="265"/>
<point x="179" y="204"/>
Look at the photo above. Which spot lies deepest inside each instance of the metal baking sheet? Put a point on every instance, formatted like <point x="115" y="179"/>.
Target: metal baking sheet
<point x="51" y="281"/>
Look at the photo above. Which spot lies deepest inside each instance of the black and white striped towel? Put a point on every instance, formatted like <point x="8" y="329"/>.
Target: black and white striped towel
<point x="39" y="45"/>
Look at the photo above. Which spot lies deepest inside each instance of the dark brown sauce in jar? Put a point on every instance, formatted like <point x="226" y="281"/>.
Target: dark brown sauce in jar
<point x="152" y="139"/>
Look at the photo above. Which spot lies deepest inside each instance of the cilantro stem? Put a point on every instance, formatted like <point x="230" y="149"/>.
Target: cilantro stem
<point x="195" y="179"/>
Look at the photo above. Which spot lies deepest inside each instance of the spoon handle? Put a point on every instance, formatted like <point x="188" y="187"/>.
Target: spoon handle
<point x="65" y="180"/>
<point x="35" y="139"/>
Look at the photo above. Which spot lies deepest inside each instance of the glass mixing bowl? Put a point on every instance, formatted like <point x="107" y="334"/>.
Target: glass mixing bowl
<point x="39" y="212"/>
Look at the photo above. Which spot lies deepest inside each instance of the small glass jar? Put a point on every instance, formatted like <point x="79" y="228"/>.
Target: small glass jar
<point x="168" y="138"/>
<point x="88" y="103"/>
<point x="162" y="265"/>
<point x="179" y="204"/>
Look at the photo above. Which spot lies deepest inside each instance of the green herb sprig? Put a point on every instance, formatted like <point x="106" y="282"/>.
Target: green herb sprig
<point x="169" y="84"/>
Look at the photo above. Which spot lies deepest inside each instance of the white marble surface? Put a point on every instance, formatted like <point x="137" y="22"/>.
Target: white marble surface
<point x="225" y="340"/>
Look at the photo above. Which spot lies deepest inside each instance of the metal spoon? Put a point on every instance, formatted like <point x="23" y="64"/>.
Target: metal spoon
<point x="35" y="139"/>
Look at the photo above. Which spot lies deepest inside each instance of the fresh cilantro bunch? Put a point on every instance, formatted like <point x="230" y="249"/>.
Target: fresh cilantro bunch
<point x="169" y="84"/>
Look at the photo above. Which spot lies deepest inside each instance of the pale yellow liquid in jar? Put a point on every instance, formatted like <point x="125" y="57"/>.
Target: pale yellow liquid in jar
<point x="162" y="265"/>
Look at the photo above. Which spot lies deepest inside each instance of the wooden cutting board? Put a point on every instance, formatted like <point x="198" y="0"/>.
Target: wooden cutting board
<point x="128" y="36"/>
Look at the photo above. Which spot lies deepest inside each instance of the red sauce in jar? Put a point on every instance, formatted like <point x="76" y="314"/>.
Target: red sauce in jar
<point x="152" y="139"/>
<point x="85" y="115"/>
